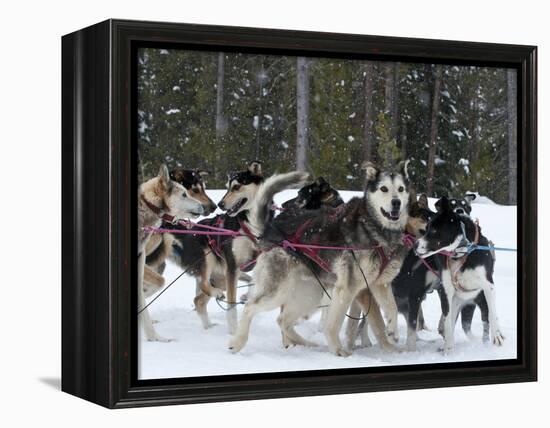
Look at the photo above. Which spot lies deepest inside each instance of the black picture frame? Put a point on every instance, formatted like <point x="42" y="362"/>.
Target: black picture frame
<point x="99" y="194"/>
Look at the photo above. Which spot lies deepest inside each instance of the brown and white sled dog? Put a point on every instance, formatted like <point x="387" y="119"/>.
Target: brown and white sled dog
<point x="159" y="198"/>
<point x="159" y="246"/>
<point x="291" y="281"/>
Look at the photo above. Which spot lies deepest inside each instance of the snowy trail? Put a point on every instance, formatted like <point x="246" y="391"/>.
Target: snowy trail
<point x="198" y="352"/>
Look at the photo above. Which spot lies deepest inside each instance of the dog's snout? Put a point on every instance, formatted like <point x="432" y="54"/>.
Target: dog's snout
<point x="395" y="203"/>
<point x="460" y="211"/>
<point x="211" y="207"/>
<point x="221" y="205"/>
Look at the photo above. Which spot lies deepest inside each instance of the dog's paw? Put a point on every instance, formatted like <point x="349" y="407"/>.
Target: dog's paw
<point x="446" y="350"/>
<point x="393" y="337"/>
<point x="236" y="344"/>
<point x="341" y="352"/>
<point x="159" y="338"/>
<point x="498" y="338"/>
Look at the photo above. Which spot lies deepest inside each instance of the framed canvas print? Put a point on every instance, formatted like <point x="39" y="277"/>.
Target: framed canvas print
<point x="253" y="213"/>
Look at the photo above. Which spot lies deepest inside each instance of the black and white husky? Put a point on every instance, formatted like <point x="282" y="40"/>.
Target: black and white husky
<point x="463" y="275"/>
<point x="315" y="195"/>
<point x="295" y="281"/>
<point x="463" y="206"/>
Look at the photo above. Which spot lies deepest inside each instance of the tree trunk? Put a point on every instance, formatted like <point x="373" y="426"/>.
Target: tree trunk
<point x="438" y="76"/>
<point x="221" y="125"/>
<point x="302" y="101"/>
<point x="368" y="132"/>
<point x="390" y="96"/>
<point x="512" y="137"/>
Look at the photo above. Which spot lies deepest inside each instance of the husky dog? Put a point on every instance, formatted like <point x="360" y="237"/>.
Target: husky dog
<point x="314" y="195"/>
<point x="159" y="198"/>
<point x="463" y="275"/>
<point x="159" y="245"/>
<point x="410" y="285"/>
<point x="463" y="206"/>
<point x="296" y="280"/>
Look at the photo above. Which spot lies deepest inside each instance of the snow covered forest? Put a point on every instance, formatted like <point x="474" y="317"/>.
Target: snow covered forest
<point x="218" y="111"/>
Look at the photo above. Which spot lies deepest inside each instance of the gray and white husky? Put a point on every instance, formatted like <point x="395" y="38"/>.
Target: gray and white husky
<point x="291" y="279"/>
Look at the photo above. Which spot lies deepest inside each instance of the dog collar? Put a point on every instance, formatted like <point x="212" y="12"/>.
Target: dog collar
<point x="160" y="213"/>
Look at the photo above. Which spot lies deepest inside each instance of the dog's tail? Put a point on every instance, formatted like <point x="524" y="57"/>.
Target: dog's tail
<point x="259" y="214"/>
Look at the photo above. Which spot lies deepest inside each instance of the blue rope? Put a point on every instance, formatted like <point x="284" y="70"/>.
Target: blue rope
<point x="474" y="247"/>
<point x="470" y="246"/>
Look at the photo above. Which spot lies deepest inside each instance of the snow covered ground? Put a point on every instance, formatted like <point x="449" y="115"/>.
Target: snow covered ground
<point x="197" y="352"/>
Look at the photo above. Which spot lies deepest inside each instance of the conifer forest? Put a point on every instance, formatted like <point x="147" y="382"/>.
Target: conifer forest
<point x="218" y="111"/>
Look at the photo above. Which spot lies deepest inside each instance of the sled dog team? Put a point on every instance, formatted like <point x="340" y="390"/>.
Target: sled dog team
<point x="368" y="259"/>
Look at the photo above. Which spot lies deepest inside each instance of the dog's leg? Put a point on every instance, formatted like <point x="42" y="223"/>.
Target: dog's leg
<point x="323" y="320"/>
<point x="421" y="321"/>
<point x="144" y="319"/>
<point x="364" y="333"/>
<point x="490" y="295"/>
<point x="152" y="281"/>
<point x="205" y="274"/>
<point x="260" y="302"/>
<point x="484" y="309"/>
<point x="205" y="291"/>
<point x="352" y="323"/>
<point x="287" y="320"/>
<point x="444" y="309"/>
<point x="466" y="316"/>
<point x="448" y="317"/>
<point x="375" y="320"/>
<point x="231" y="276"/>
<point x="384" y="297"/>
<point x="341" y="300"/>
<point x="201" y="305"/>
<point x="415" y="300"/>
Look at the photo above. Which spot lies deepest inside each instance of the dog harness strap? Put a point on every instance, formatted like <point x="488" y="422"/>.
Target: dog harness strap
<point x="247" y="231"/>
<point x="454" y="274"/>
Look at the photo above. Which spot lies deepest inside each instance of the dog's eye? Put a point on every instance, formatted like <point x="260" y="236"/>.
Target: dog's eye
<point x="384" y="189"/>
<point x="184" y="195"/>
<point x="236" y="187"/>
<point x="401" y="188"/>
<point x="422" y="231"/>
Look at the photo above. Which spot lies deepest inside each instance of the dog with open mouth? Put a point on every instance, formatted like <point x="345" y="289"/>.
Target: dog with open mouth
<point x="295" y="281"/>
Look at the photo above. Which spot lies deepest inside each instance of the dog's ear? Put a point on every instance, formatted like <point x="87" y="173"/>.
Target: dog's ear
<point x="423" y="201"/>
<point x="164" y="176"/>
<point x="403" y="168"/>
<point x="469" y="197"/>
<point x="320" y="181"/>
<point x="255" y="168"/>
<point x="371" y="171"/>
<point x="442" y="205"/>
<point x="324" y="186"/>
<point x="177" y="174"/>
